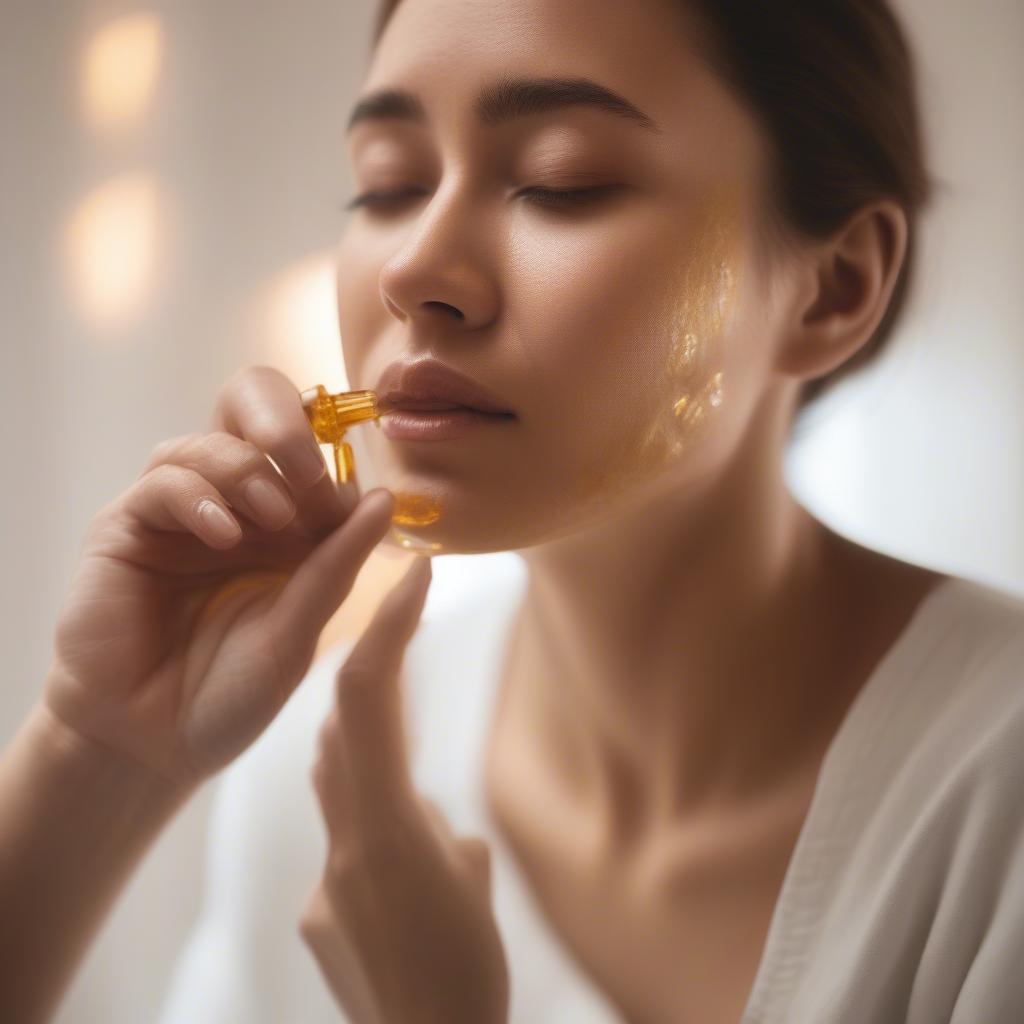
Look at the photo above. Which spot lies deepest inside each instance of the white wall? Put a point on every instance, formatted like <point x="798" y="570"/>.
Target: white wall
<point x="244" y="139"/>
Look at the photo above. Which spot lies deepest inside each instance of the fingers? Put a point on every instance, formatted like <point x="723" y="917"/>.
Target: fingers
<point x="372" y="734"/>
<point x="175" y="498"/>
<point x="324" y="579"/>
<point x="261" y="405"/>
<point x="243" y="477"/>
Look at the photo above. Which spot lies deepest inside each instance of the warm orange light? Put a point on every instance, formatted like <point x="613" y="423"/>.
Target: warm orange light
<point x="112" y="249"/>
<point x="120" y="70"/>
<point x="300" y="311"/>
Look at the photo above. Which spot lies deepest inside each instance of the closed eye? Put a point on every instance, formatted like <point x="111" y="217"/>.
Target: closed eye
<point x="566" y="196"/>
<point x="379" y="198"/>
<point x="539" y="196"/>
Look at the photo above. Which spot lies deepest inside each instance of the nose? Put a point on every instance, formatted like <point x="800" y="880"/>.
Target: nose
<point x="440" y="275"/>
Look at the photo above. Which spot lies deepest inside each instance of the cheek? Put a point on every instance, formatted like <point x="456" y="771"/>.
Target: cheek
<point x="692" y="384"/>
<point x="638" y="360"/>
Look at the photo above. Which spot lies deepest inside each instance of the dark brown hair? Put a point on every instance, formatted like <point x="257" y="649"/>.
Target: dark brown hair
<point x="833" y="82"/>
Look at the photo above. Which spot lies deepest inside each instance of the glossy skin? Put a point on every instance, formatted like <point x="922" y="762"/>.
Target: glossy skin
<point x="691" y="636"/>
<point x="591" y="321"/>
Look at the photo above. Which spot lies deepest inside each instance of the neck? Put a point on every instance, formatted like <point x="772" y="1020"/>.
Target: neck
<point x="675" y="659"/>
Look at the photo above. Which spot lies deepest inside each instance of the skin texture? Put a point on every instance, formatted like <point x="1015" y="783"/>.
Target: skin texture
<point x="692" y="637"/>
<point x="591" y="324"/>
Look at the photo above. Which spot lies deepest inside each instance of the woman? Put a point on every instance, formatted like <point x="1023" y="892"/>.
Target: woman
<point x="690" y="755"/>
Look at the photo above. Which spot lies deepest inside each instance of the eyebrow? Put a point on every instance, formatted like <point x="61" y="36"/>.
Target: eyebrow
<point x="504" y="101"/>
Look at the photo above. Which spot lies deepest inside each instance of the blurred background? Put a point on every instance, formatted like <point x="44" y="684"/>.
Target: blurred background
<point x="172" y="182"/>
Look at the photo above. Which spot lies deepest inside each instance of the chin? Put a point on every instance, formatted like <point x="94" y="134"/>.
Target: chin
<point x="463" y="531"/>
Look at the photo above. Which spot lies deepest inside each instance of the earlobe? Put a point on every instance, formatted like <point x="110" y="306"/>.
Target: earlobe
<point x="846" y="283"/>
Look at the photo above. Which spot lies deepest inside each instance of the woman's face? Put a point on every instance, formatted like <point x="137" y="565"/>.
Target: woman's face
<point x="629" y="330"/>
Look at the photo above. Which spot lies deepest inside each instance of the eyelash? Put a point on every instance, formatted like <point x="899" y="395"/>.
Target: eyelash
<point x="541" y="196"/>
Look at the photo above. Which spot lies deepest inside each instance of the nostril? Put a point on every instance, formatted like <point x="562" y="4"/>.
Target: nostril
<point x="445" y="306"/>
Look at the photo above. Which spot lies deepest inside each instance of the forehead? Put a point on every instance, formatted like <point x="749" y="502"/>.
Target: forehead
<point x="448" y="51"/>
<point x="538" y="30"/>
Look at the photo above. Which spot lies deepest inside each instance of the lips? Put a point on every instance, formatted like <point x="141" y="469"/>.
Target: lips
<point x="430" y="386"/>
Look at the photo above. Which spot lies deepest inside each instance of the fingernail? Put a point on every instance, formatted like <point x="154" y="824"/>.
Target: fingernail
<point x="218" y="522"/>
<point x="267" y="501"/>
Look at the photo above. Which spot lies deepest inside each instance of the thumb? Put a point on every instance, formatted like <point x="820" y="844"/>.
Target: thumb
<point x="325" y="578"/>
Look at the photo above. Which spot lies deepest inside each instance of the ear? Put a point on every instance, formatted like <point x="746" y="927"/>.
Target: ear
<point x="843" y="287"/>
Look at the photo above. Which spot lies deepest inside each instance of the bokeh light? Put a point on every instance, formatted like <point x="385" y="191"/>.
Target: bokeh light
<point x="301" y="315"/>
<point x="120" y="70"/>
<point x="113" y="249"/>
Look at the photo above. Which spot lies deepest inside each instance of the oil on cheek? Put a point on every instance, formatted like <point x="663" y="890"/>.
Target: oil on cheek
<point x="688" y="381"/>
<point x="694" y="380"/>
